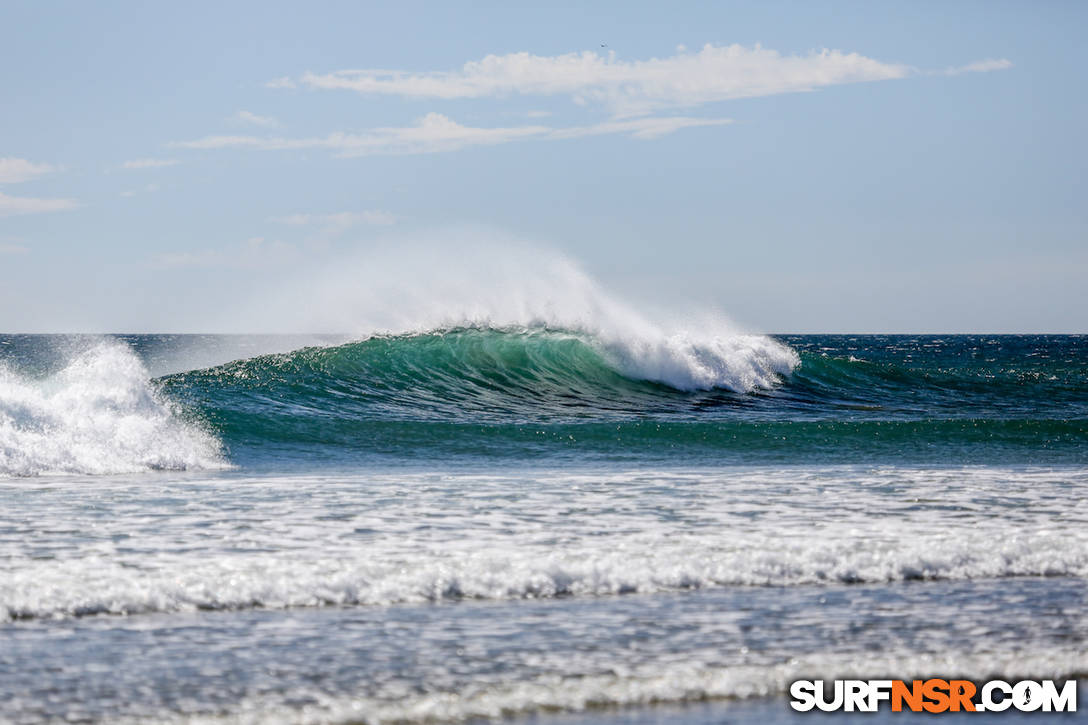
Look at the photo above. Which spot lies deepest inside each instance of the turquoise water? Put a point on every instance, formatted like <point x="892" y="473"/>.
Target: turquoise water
<point x="542" y="395"/>
<point x="530" y="522"/>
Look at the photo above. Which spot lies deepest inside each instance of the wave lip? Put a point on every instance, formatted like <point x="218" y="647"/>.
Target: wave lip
<point x="737" y="362"/>
<point x="99" y="415"/>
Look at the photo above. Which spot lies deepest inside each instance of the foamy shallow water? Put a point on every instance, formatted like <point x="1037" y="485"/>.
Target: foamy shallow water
<point x="431" y="596"/>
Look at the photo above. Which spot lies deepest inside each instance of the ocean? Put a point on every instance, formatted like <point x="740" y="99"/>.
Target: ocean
<point x="532" y="523"/>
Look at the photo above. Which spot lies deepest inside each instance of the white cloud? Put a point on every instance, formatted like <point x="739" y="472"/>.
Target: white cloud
<point x="149" y="163"/>
<point x="979" y="66"/>
<point x="252" y="119"/>
<point x="436" y="133"/>
<point x="220" y="142"/>
<point x="641" y="128"/>
<point x="13" y="170"/>
<point x="284" y="82"/>
<point x="13" y="205"/>
<point x="714" y="73"/>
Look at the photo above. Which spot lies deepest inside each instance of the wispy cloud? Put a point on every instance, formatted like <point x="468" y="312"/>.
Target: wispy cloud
<point x="633" y="91"/>
<point x="435" y="133"/>
<point x="641" y="128"/>
<point x="149" y="163"/>
<point x="252" y="119"/>
<point x="979" y="66"/>
<point x="686" y="79"/>
<point x="14" y="171"/>
<point x="284" y="82"/>
<point x="222" y="142"/>
<point x="14" y="205"/>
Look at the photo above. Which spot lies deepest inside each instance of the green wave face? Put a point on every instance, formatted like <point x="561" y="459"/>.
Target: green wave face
<point x="456" y="375"/>
<point x="541" y="394"/>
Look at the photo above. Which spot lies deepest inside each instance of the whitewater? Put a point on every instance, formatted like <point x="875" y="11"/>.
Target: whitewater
<point x="98" y="415"/>
<point x="511" y="537"/>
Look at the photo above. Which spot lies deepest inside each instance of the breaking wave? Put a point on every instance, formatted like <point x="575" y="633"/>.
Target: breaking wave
<point x="100" y="414"/>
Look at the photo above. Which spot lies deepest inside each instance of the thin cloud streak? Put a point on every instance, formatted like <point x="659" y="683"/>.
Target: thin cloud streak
<point x="284" y="82"/>
<point x="252" y="119"/>
<point x="641" y="128"/>
<point x="15" y="171"/>
<point x="436" y="133"/>
<point x="15" y="205"/>
<point x="979" y="66"/>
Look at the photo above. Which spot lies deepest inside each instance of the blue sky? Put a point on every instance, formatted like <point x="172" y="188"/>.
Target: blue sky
<point x="804" y="167"/>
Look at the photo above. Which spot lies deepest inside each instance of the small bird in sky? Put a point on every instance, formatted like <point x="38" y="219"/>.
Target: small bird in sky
<point x="604" y="45"/>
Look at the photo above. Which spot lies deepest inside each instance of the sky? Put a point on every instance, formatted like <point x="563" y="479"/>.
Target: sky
<point x="800" y="167"/>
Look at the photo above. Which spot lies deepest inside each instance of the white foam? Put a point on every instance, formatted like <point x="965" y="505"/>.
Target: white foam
<point x="389" y="571"/>
<point x="402" y="537"/>
<point x="689" y="361"/>
<point x="99" y="415"/>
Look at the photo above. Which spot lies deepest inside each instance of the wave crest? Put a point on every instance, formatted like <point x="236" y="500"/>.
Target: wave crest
<point x="741" y="363"/>
<point x="464" y="374"/>
<point x="99" y="415"/>
<point x="473" y="281"/>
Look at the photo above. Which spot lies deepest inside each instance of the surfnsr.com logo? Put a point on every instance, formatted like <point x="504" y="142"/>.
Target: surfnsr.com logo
<point x="934" y="695"/>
